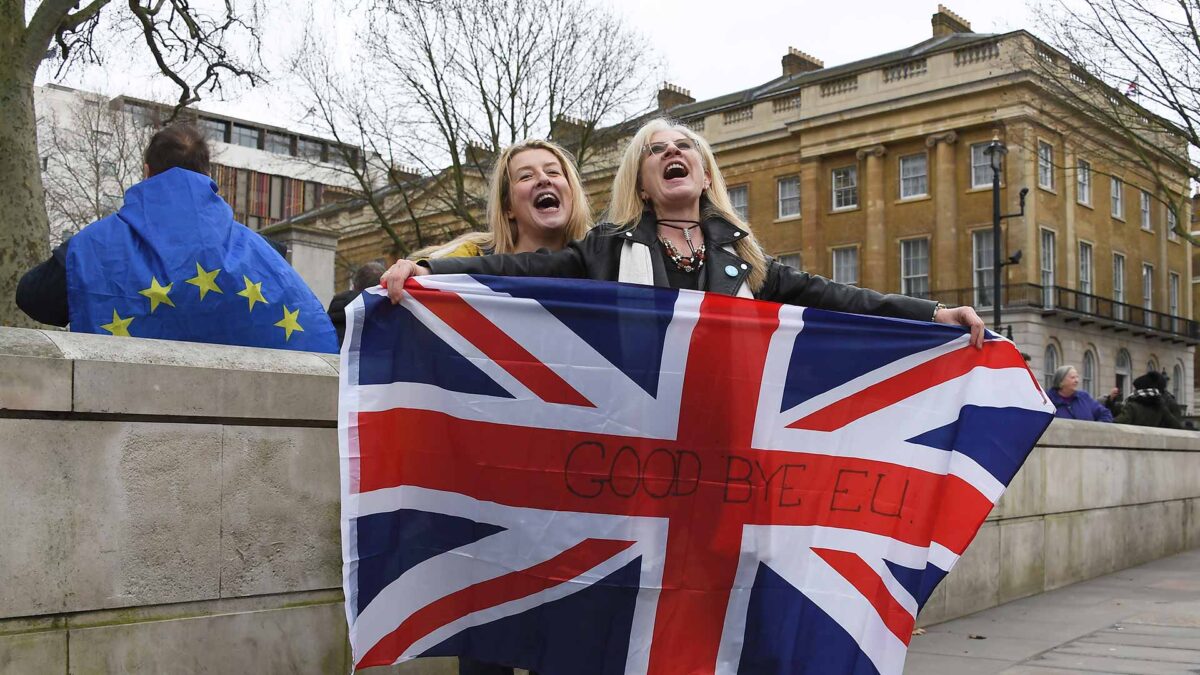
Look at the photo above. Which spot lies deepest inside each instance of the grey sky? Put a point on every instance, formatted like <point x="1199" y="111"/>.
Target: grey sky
<point x="710" y="47"/>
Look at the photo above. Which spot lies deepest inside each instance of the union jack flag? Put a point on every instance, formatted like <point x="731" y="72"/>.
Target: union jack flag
<point x="583" y="477"/>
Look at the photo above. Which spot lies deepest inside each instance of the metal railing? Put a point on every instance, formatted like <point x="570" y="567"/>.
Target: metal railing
<point x="1083" y="306"/>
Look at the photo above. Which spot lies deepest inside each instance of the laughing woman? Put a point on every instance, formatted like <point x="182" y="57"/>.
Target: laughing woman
<point x="672" y="225"/>
<point x="535" y="201"/>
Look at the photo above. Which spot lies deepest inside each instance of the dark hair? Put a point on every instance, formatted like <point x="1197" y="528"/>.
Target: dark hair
<point x="179" y="145"/>
<point x="368" y="276"/>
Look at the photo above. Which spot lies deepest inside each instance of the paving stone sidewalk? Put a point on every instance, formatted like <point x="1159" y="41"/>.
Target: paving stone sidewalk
<point x="1144" y="620"/>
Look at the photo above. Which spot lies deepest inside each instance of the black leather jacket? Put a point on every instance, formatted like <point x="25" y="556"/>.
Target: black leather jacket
<point x="598" y="256"/>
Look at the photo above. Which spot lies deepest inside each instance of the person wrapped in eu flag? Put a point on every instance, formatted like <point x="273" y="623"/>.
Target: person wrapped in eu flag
<point x="173" y="264"/>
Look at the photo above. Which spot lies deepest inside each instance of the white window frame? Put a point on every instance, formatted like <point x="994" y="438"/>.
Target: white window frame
<point x="1124" y="371"/>
<point x="1045" y="166"/>
<point x="1087" y="276"/>
<point x="1050" y="359"/>
<point x="914" y="282"/>
<point x="1117" y="198"/>
<point x="981" y="267"/>
<point x="1083" y="182"/>
<point x="914" y="185"/>
<point x="743" y="209"/>
<point x="1147" y="225"/>
<point x="843" y="273"/>
<point x="1171" y="223"/>
<point x="1118" y="286"/>
<point x="790" y="259"/>
<point x="980" y="161"/>
<point x="847" y="190"/>
<point x="1148" y="292"/>
<point x="1173" y="298"/>
<point x="1048" y="266"/>
<point x="1087" y="373"/>
<point x="789" y="205"/>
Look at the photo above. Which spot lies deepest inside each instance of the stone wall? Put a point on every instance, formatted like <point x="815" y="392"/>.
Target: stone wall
<point x="172" y="507"/>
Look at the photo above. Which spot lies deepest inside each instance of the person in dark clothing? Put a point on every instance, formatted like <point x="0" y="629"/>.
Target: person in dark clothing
<point x="364" y="278"/>
<point x="1147" y="406"/>
<point x="42" y="291"/>
<point x="1113" y="402"/>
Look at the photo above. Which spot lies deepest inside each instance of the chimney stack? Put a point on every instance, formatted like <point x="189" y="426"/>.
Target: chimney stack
<point x="670" y="95"/>
<point x="796" y="62"/>
<point x="946" y="23"/>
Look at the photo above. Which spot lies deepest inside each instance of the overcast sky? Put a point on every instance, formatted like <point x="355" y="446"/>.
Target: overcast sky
<point x="708" y="46"/>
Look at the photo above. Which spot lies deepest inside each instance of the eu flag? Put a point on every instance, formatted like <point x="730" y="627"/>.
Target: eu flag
<point x="173" y="264"/>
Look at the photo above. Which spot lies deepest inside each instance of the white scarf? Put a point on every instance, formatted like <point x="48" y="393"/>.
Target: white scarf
<point x="637" y="268"/>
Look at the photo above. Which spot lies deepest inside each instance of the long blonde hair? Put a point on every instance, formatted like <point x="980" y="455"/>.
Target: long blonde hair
<point x="626" y="206"/>
<point x="502" y="233"/>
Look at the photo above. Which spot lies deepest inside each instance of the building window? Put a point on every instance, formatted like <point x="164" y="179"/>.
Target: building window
<point x="1173" y="299"/>
<point x="1045" y="165"/>
<point x="790" y="259"/>
<point x="1083" y="179"/>
<point x="279" y="144"/>
<point x="914" y="267"/>
<point x="981" y="166"/>
<point x="241" y="195"/>
<point x="1148" y="292"/>
<point x="739" y="198"/>
<point x="247" y="137"/>
<point x="1146" y="211"/>
<point x="789" y="196"/>
<point x="311" y="150"/>
<point x="1089" y="372"/>
<point x="310" y="196"/>
<point x="215" y="130"/>
<point x="1124" y="372"/>
<point x="1152" y="365"/>
<point x="983" y="255"/>
<point x="1118" y="199"/>
<point x="1118" y="286"/>
<point x="1085" y="277"/>
<point x="914" y="176"/>
<point x="845" y="187"/>
<point x="845" y="265"/>
<point x="1048" y="268"/>
<point x="1177" y="383"/>
<point x="1050" y="365"/>
<point x="1171" y="223"/>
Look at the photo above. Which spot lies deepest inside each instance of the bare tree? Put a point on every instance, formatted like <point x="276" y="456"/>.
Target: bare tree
<point x="189" y="45"/>
<point x="91" y="153"/>
<point x="1126" y="71"/>
<point x="443" y="85"/>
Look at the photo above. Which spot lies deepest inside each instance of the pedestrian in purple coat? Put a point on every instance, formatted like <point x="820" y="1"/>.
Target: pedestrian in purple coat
<point x="1073" y="403"/>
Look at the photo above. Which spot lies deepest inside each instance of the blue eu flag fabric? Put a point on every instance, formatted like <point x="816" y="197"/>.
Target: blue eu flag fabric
<point x="173" y="264"/>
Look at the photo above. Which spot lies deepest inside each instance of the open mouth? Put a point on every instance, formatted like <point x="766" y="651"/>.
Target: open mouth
<point x="546" y="201"/>
<point x="675" y="170"/>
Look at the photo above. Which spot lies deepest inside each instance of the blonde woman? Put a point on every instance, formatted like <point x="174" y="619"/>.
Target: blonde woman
<point x="672" y="225"/>
<point x="535" y="201"/>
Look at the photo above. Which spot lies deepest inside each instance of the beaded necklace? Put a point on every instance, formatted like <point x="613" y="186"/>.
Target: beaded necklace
<point x="689" y="263"/>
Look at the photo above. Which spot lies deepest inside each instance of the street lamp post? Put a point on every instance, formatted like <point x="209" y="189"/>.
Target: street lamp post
<point x="996" y="151"/>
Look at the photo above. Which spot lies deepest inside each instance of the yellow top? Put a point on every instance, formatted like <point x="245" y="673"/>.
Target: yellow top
<point x="467" y="249"/>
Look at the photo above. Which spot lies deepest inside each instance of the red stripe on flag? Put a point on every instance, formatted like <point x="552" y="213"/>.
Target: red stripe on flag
<point x="499" y="347"/>
<point x="868" y="582"/>
<point x="565" y="566"/>
<point x="961" y="511"/>
<point x="913" y="381"/>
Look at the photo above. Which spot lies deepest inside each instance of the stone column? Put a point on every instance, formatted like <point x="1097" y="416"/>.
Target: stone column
<point x="945" y="195"/>
<point x="874" y="268"/>
<point x="311" y="252"/>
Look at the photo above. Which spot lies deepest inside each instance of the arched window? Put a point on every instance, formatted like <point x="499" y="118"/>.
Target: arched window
<point x="1152" y="365"/>
<point x="1089" y="372"/>
<point x="1177" y="383"/>
<point x="1051" y="364"/>
<point x="1124" y="372"/>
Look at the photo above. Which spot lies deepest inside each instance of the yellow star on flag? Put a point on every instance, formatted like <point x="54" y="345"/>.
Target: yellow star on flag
<point x="157" y="294"/>
<point x="252" y="292"/>
<point x="206" y="281"/>
<point x="119" y="327"/>
<point x="289" y="323"/>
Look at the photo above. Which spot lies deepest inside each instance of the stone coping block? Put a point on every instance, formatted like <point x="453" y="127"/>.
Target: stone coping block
<point x="1080" y="434"/>
<point x="59" y="371"/>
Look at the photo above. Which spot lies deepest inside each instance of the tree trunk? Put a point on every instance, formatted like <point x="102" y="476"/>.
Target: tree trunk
<point x="24" y="226"/>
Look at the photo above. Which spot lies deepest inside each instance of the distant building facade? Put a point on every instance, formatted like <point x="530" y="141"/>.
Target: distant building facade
<point x="876" y="173"/>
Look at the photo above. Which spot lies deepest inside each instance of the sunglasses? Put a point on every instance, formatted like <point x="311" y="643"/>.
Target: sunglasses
<point x="659" y="147"/>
